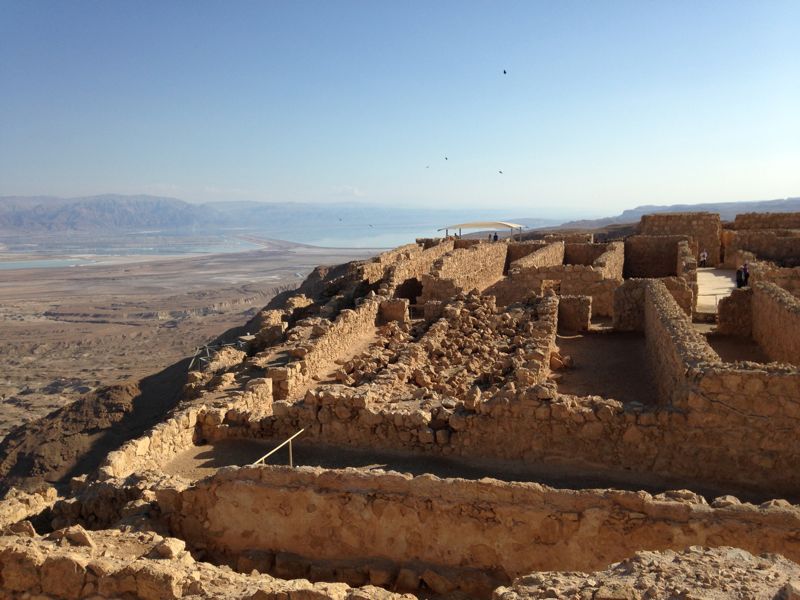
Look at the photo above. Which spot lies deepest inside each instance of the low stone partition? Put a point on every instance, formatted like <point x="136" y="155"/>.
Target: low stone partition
<point x="703" y="227"/>
<point x="776" y="322"/>
<point x="652" y="255"/>
<point x="463" y="270"/>
<point x="787" y="220"/>
<point x="501" y="528"/>
<point x="674" y="347"/>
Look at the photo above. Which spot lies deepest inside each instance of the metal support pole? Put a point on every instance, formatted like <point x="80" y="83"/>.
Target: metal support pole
<point x="291" y="461"/>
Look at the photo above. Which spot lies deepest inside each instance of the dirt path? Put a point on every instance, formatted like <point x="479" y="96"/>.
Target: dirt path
<point x="608" y="364"/>
<point x="712" y="286"/>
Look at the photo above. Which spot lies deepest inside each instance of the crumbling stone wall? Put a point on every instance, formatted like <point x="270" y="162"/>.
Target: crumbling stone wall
<point x="544" y="268"/>
<point x="787" y="278"/>
<point x="328" y="341"/>
<point x="673" y="345"/>
<point x="476" y="267"/>
<point x="418" y="264"/>
<point x="375" y="270"/>
<point x="779" y="246"/>
<point x="703" y="227"/>
<point x="485" y="524"/>
<point x="788" y="220"/>
<point x="735" y="313"/>
<point x="776" y="322"/>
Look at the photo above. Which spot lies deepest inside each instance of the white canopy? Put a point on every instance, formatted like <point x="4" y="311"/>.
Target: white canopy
<point x="484" y="225"/>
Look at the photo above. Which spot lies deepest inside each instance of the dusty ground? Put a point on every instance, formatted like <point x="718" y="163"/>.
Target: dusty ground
<point x="66" y="331"/>
<point x="608" y="364"/>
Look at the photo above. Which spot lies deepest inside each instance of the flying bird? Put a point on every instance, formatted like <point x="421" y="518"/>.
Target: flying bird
<point x="504" y="72"/>
<point x="445" y="158"/>
<point x="500" y="172"/>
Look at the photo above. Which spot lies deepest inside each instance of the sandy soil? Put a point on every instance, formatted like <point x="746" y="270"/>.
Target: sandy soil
<point x="66" y="331"/>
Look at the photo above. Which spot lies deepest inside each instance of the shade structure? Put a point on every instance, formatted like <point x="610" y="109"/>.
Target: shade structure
<point x="484" y="225"/>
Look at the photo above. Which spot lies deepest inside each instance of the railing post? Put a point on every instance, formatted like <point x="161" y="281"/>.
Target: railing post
<point x="291" y="463"/>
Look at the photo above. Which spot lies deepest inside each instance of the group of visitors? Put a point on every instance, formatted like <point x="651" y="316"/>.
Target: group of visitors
<point x="742" y="276"/>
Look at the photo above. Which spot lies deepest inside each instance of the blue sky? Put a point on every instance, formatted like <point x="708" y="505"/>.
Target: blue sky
<point x="606" y="105"/>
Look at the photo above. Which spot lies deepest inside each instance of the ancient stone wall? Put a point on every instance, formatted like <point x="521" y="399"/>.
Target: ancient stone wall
<point x="375" y="269"/>
<point x="518" y="250"/>
<point x="330" y="342"/>
<point x="550" y="255"/>
<point x="582" y="254"/>
<point x="322" y="514"/>
<point x="652" y="255"/>
<point x="786" y="278"/>
<point x="779" y="246"/>
<point x="735" y="313"/>
<point x="117" y="564"/>
<point x="477" y="267"/>
<point x="544" y="268"/>
<point x="574" y="313"/>
<point x="705" y="229"/>
<point x="611" y="262"/>
<point x="767" y="221"/>
<point x="418" y="264"/>
<point x="570" y="238"/>
<point x="776" y="322"/>
<point x="673" y="345"/>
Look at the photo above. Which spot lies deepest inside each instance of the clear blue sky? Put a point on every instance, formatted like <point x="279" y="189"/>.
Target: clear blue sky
<point x="606" y="105"/>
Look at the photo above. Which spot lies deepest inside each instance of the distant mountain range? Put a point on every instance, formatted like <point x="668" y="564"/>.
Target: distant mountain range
<point x="37" y="214"/>
<point x="726" y="210"/>
<point x="111" y="212"/>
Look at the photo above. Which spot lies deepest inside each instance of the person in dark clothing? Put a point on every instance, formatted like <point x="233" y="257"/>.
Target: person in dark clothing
<point x="495" y="236"/>
<point x="739" y="277"/>
<point x="745" y="275"/>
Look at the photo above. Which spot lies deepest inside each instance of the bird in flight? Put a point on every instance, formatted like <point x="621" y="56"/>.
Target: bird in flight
<point x="505" y="72"/>
<point x="445" y="158"/>
<point x="427" y="166"/>
<point x="500" y="172"/>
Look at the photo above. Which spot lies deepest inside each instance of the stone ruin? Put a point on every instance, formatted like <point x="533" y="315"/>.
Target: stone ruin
<point x="477" y="419"/>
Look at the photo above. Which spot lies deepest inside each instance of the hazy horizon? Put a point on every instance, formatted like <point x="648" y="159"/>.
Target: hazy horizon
<point x="603" y="107"/>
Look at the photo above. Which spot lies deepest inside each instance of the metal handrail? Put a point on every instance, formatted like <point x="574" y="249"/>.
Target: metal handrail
<point x="276" y="448"/>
